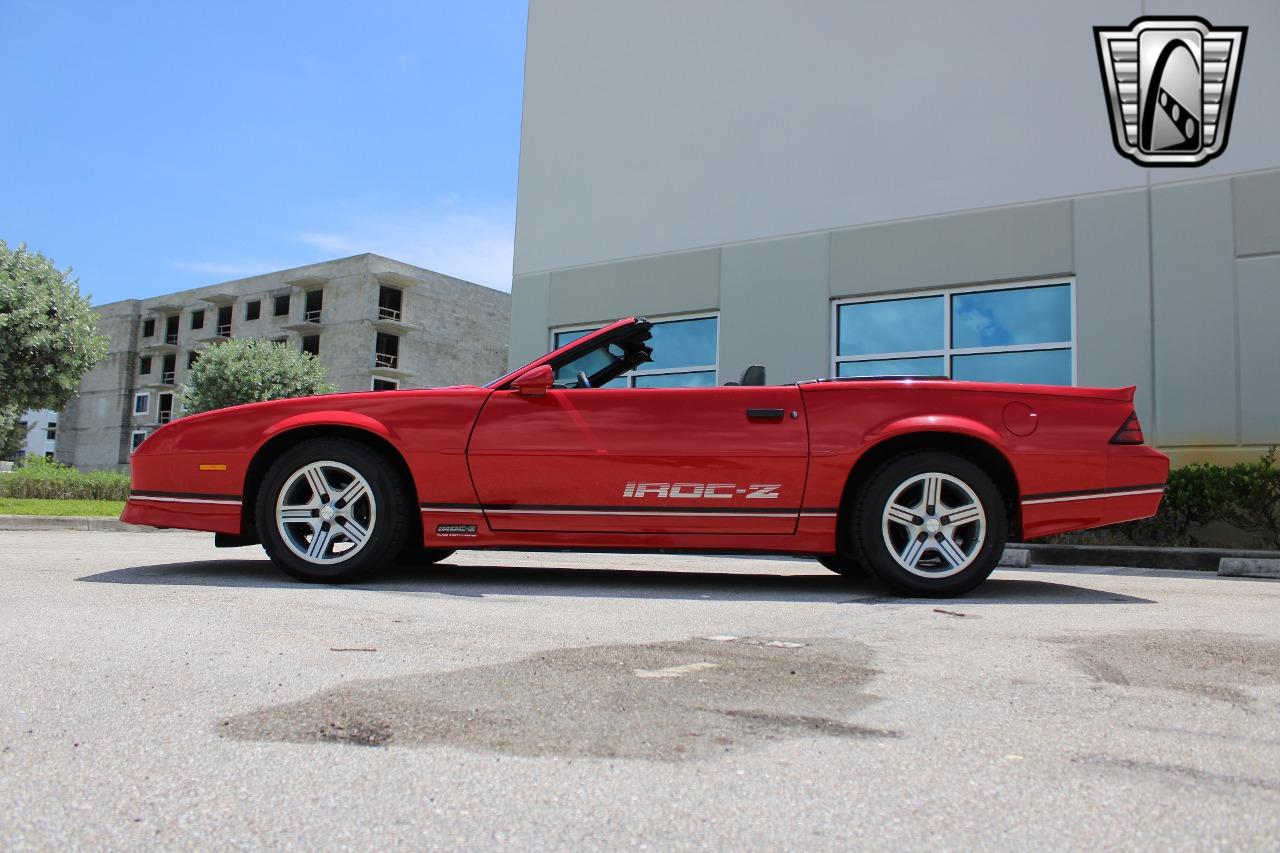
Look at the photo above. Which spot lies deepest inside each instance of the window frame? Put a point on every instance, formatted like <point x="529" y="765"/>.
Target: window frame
<point x="374" y="380"/>
<point x="168" y="375"/>
<point x="392" y="360"/>
<point x="146" y="409"/>
<point x="253" y="310"/>
<point x="947" y="352"/>
<point x="655" y="320"/>
<point x="386" y="312"/>
<point x="316" y="314"/>
<point x="134" y="434"/>
<point x="173" y="407"/>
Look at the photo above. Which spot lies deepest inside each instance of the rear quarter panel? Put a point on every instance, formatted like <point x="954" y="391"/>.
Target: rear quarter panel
<point x="1067" y="451"/>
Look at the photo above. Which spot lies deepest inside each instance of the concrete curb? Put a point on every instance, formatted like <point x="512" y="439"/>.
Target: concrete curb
<point x="1138" y="556"/>
<point x="1247" y="567"/>
<point x="1015" y="558"/>
<point x="70" y="522"/>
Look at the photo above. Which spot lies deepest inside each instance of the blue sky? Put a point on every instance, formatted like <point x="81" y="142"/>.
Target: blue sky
<point x="164" y="145"/>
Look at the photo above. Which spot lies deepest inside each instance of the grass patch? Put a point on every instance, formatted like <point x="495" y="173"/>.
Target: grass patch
<point x="46" y="506"/>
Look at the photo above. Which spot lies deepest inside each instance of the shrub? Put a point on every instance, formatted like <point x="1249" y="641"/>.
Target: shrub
<point x="249" y="371"/>
<point x="38" y="477"/>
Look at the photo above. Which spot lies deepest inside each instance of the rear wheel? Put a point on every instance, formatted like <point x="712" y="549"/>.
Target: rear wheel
<point x="332" y="511"/>
<point x="930" y="524"/>
<point x="842" y="565"/>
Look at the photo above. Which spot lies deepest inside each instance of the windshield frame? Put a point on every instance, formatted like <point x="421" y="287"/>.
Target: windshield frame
<point x="600" y="337"/>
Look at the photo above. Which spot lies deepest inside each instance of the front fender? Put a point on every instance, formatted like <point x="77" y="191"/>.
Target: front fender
<point x="353" y="420"/>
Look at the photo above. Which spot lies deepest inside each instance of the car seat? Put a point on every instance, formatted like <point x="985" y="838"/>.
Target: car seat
<point x="753" y="375"/>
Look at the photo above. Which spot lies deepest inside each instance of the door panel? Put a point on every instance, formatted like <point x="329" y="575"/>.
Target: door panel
<point x="642" y="460"/>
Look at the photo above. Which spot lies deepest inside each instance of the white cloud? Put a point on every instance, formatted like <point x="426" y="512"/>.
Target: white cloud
<point x="326" y="242"/>
<point x="450" y="235"/>
<point x="237" y="269"/>
<point x="468" y="242"/>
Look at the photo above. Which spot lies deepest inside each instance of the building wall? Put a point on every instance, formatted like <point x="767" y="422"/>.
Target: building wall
<point x="764" y="159"/>
<point x="451" y="332"/>
<point x="93" y="428"/>
<point x="1176" y="291"/>
<point x="464" y="334"/>
<point x="665" y="126"/>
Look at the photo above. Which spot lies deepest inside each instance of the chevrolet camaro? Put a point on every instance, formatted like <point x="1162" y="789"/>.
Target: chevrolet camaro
<point x="917" y="482"/>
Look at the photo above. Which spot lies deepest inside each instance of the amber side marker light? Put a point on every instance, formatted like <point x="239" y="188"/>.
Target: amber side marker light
<point x="224" y="467"/>
<point x="1130" y="431"/>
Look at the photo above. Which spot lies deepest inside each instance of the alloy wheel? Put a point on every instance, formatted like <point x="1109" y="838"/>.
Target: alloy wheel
<point x="325" y="512"/>
<point x="934" y="525"/>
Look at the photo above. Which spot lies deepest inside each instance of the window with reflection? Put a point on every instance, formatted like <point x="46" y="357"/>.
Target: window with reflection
<point x="1019" y="333"/>
<point x="684" y="355"/>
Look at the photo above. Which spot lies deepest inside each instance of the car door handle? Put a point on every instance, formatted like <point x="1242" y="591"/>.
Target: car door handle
<point x="764" y="414"/>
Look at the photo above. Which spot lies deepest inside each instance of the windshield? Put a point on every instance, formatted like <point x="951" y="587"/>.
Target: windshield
<point x="593" y="363"/>
<point x="601" y="356"/>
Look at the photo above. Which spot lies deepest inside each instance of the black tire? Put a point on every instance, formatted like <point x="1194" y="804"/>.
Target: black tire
<point x="975" y="545"/>
<point x="387" y="507"/>
<point x="842" y="565"/>
<point x="418" y="556"/>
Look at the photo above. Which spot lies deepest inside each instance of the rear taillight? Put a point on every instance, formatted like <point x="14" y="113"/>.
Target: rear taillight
<point x="1130" y="431"/>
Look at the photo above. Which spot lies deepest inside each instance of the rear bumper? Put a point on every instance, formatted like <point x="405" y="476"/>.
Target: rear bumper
<point x="1136" y="475"/>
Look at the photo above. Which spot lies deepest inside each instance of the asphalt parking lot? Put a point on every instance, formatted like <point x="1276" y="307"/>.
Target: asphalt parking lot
<point x="157" y="692"/>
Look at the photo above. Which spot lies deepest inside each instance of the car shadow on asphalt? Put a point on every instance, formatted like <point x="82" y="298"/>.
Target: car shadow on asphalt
<point x="480" y="581"/>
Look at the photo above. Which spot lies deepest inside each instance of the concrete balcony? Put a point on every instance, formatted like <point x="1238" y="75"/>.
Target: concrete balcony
<point x="393" y="322"/>
<point x="306" y="326"/>
<point x="384" y="372"/>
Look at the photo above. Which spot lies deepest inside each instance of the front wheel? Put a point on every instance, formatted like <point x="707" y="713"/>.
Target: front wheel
<point x="332" y="511"/>
<point x="930" y="524"/>
<point x="416" y="555"/>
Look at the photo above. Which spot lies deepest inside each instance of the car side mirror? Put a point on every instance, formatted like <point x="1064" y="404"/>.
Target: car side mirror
<point x="534" y="383"/>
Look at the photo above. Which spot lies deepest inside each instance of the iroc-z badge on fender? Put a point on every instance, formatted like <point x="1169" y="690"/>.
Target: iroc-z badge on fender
<point x="703" y="491"/>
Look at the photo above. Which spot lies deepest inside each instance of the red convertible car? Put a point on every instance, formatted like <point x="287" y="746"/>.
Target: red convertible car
<point x="915" y="481"/>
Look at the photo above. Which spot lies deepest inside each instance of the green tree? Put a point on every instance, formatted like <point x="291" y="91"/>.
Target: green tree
<point x="48" y="332"/>
<point x="248" y="371"/>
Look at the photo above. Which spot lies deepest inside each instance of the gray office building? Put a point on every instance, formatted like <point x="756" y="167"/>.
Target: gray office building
<point x="377" y="324"/>
<point x="842" y="188"/>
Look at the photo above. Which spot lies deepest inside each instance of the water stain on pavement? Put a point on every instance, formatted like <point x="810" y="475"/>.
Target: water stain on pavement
<point x="1193" y="776"/>
<point x="1207" y="663"/>
<point x="667" y="701"/>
